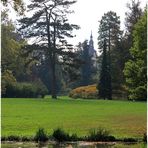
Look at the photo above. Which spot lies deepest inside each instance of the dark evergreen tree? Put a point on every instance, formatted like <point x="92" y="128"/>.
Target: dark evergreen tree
<point x="104" y="85"/>
<point x="109" y="30"/>
<point x="49" y="26"/>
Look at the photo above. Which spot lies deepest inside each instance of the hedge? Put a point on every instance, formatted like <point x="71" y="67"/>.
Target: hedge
<point x="26" y="90"/>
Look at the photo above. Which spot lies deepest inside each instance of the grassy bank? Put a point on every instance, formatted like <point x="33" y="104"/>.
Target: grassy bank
<point x="24" y="116"/>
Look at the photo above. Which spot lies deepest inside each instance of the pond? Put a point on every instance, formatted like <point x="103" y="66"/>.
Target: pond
<point x="72" y="145"/>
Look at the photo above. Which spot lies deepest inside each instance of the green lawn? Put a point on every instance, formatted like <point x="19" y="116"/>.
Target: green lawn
<point x="25" y="116"/>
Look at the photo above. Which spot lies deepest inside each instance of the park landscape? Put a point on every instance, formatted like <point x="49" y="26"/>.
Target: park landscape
<point x="56" y="94"/>
<point x="23" y="117"/>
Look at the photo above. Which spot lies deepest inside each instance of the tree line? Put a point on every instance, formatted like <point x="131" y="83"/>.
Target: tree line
<point x="124" y="53"/>
<point x="57" y="66"/>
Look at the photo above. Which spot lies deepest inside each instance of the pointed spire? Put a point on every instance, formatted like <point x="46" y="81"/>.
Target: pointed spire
<point x="91" y="35"/>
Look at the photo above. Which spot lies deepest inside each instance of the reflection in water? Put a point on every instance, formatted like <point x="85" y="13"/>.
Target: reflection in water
<point x="72" y="145"/>
<point x="92" y="145"/>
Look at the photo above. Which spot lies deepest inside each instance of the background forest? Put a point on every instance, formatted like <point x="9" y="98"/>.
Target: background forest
<point x="52" y="66"/>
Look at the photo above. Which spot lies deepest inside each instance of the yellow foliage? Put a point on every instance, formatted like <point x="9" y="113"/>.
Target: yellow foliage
<point x="85" y="92"/>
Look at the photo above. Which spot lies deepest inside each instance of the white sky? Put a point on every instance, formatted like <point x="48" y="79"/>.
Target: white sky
<point x="89" y="12"/>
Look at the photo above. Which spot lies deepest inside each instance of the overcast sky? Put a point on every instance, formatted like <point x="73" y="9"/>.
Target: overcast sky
<point x="89" y="12"/>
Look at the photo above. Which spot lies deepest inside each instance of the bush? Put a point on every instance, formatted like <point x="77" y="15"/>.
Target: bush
<point x="13" y="138"/>
<point x="41" y="89"/>
<point x="26" y="90"/>
<point x="144" y="137"/>
<point x="129" y="140"/>
<point x="3" y="138"/>
<point x="41" y="135"/>
<point x="74" y="137"/>
<point x="60" y="135"/>
<point x="100" y="135"/>
<point x="85" y="92"/>
<point x="139" y="93"/>
<point x="24" y="138"/>
<point x="7" y="79"/>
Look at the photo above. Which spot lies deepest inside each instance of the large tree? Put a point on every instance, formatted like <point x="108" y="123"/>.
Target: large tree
<point x="49" y="26"/>
<point x="132" y="16"/>
<point x="11" y="48"/>
<point x="12" y="54"/>
<point x="109" y="30"/>
<point x="136" y="68"/>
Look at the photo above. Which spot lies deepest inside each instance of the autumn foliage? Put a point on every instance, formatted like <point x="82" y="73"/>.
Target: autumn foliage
<point x="85" y="92"/>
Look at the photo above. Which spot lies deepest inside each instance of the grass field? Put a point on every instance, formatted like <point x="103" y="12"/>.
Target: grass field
<point x="25" y="116"/>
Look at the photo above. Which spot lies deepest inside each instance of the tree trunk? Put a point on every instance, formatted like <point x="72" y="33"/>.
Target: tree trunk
<point x="110" y="84"/>
<point x="54" y="96"/>
<point x="51" y="57"/>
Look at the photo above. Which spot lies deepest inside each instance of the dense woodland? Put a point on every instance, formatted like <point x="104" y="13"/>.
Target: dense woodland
<point x="52" y="66"/>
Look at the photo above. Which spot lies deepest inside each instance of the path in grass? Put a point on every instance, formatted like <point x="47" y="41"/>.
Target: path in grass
<point x="25" y="116"/>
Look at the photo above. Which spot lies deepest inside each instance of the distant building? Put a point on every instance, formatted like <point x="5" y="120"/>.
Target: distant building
<point x="92" y="51"/>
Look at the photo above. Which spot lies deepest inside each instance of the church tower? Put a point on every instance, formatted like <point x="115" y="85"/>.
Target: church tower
<point x="92" y="51"/>
<point x="91" y="46"/>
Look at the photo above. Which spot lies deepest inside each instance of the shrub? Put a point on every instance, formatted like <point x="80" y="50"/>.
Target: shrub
<point x="41" y="135"/>
<point x="13" y="138"/>
<point x="41" y="89"/>
<point x="74" y="137"/>
<point x="111" y="138"/>
<point x="26" y="90"/>
<point x="129" y="140"/>
<point x="7" y="79"/>
<point x="60" y="135"/>
<point x="24" y="138"/>
<point x="144" y="137"/>
<point x="85" y="92"/>
<point x="3" y="138"/>
<point x="100" y="135"/>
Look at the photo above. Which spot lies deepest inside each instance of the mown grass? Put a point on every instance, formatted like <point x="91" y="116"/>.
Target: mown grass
<point x="23" y="117"/>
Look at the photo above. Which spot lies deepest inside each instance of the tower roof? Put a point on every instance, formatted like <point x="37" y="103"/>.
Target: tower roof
<point x="91" y="46"/>
<point x="91" y="35"/>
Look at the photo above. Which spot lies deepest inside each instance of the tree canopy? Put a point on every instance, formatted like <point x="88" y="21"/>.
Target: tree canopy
<point x="136" y="68"/>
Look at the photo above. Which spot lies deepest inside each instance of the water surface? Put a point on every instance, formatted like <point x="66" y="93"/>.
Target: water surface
<point x="72" y="145"/>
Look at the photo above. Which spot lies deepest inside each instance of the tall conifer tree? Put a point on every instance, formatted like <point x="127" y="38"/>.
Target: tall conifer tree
<point x="104" y="84"/>
<point x="109" y="30"/>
